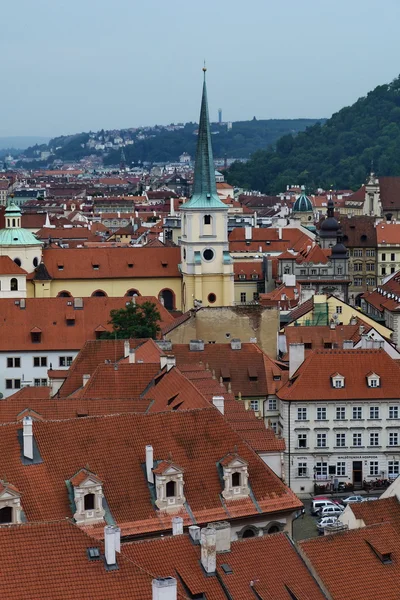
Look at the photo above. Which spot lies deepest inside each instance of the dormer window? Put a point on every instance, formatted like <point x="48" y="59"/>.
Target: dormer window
<point x="88" y="497"/>
<point x="242" y="276"/>
<point x="36" y="335"/>
<point x="10" y="504"/>
<point x="373" y="380"/>
<point x="337" y="381"/>
<point x="169" y="486"/>
<point x="235" y="476"/>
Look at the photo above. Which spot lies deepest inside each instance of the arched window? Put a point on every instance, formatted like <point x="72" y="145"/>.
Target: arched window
<point x="99" y="293"/>
<point x="89" y="502"/>
<point x="17" y="261"/>
<point x="64" y="294"/>
<point x="13" y="222"/>
<point x="14" y="284"/>
<point x="170" y="489"/>
<point x="274" y="529"/>
<point x="131" y="293"/>
<point x="6" y="514"/>
<point x="248" y="533"/>
<point x="235" y="479"/>
<point x="207" y="219"/>
<point x="167" y="298"/>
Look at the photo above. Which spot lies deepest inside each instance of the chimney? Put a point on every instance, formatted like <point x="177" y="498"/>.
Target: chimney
<point x="110" y="545"/>
<point x="164" y="588"/>
<point x="194" y="533"/>
<point x="149" y="464"/>
<point x="172" y="207"/>
<point x="85" y="379"/>
<point x="208" y="549"/>
<point x="219" y="403"/>
<point x="126" y="348"/>
<point x="223" y="529"/>
<point x="132" y="356"/>
<point x="296" y="357"/>
<point x="361" y="329"/>
<point x="347" y="344"/>
<point x="27" y="437"/>
<point x="167" y="361"/>
<point x="248" y="233"/>
<point x="117" y="537"/>
<point x="177" y="526"/>
<point x="332" y="325"/>
<point x="279" y="233"/>
<point x="236" y="344"/>
<point x="196" y="345"/>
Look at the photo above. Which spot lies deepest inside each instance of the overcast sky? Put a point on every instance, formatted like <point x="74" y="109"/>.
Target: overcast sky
<point x="78" y="65"/>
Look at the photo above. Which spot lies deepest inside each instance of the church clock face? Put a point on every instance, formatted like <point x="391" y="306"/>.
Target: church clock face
<point x="208" y="254"/>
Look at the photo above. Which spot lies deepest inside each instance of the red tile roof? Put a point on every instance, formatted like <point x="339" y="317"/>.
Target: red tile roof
<point x="349" y="565"/>
<point x="113" y="262"/>
<point x="8" y="267"/>
<point x="49" y="315"/>
<point x="388" y="233"/>
<point x="122" y="381"/>
<point x="384" y="510"/>
<point x="291" y="238"/>
<point x="313" y="379"/>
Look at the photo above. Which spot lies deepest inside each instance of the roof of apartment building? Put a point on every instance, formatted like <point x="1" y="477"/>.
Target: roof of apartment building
<point x="313" y="380"/>
<point x="386" y="296"/>
<point x="351" y="563"/>
<point x="64" y="323"/>
<point x="114" y="448"/>
<point x="111" y="262"/>
<point x="388" y="234"/>
<point x="384" y="510"/>
<point x="359" y="231"/>
<point x="267" y="239"/>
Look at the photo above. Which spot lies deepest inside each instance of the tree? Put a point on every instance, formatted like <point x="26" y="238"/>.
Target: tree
<point x="134" y="321"/>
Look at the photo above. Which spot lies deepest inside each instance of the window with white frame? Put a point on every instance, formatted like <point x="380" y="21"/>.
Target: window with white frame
<point x="393" y="438"/>
<point x="13" y="362"/>
<point x="321" y="469"/>
<point x="357" y="439"/>
<point x="242" y="296"/>
<point x="374" y="412"/>
<point x="338" y="310"/>
<point x="357" y="412"/>
<point x="374" y="438"/>
<point x="358" y="281"/>
<point x="13" y="384"/>
<point x="302" y="414"/>
<point x="373" y="467"/>
<point x="321" y="440"/>
<point x="321" y="413"/>
<point x="341" y="412"/>
<point x="302" y="440"/>
<point x="40" y="361"/>
<point x="254" y="404"/>
<point x="274" y="426"/>
<point x="38" y="382"/>
<point x="357" y="252"/>
<point x="340" y="440"/>
<point x="393" y="412"/>
<point x="370" y="252"/>
<point x="272" y="404"/>
<point x="338" y="381"/>
<point x="302" y="469"/>
<point x="373" y="380"/>
<point x="341" y="468"/>
<point x="393" y="468"/>
<point x="371" y="281"/>
<point x="65" y="361"/>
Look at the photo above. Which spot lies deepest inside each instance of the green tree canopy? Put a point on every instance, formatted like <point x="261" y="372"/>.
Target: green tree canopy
<point x="134" y="321"/>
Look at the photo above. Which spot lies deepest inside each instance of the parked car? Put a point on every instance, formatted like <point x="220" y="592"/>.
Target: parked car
<point x="351" y="499"/>
<point x="320" y="501"/>
<point x="316" y="505"/>
<point x="369" y="498"/>
<point x="330" y="511"/>
<point x="324" y="521"/>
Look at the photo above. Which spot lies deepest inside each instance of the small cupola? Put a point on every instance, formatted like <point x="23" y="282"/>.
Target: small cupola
<point x="169" y="486"/>
<point x="10" y="504"/>
<point x="13" y="217"/>
<point x="88" y="497"/>
<point x="337" y="380"/>
<point x="235" y="476"/>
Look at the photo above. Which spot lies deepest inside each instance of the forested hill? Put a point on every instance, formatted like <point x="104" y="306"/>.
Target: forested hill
<point x="166" y="144"/>
<point x="337" y="153"/>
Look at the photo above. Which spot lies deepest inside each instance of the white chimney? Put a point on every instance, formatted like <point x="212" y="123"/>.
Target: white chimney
<point x="85" y="379"/>
<point x="296" y="357"/>
<point x="223" y="529"/>
<point x="132" y="356"/>
<point x="209" y="549"/>
<point x="347" y="344"/>
<point x="27" y="437"/>
<point x="164" y="588"/>
<point x="110" y="545"/>
<point x="117" y="537"/>
<point x="149" y="463"/>
<point x="279" y="233"/>
<point x="172" y="207"/>
<point x="126" y="348"/>
<point x="194" y="533"/>
<point x="219" y="402"/>
<point x="167" y="361"/>
<point x="177" y="526"/>
<point x="248" y="233"/>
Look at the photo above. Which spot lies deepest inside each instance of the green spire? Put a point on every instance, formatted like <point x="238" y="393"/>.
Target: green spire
<point x="204" y="186"/>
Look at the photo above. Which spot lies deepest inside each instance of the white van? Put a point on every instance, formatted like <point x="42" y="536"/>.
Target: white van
<point x="318" y="504"/>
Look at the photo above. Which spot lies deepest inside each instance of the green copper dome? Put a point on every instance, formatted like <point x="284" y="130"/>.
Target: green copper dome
<point x="303" y="204"/>
<point x="16" y="236"/>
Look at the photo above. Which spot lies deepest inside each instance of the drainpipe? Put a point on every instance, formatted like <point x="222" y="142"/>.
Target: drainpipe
<point x="290" y="470"/>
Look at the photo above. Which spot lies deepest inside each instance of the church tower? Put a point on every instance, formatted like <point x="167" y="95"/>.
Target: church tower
<point x="207" y="267"/>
